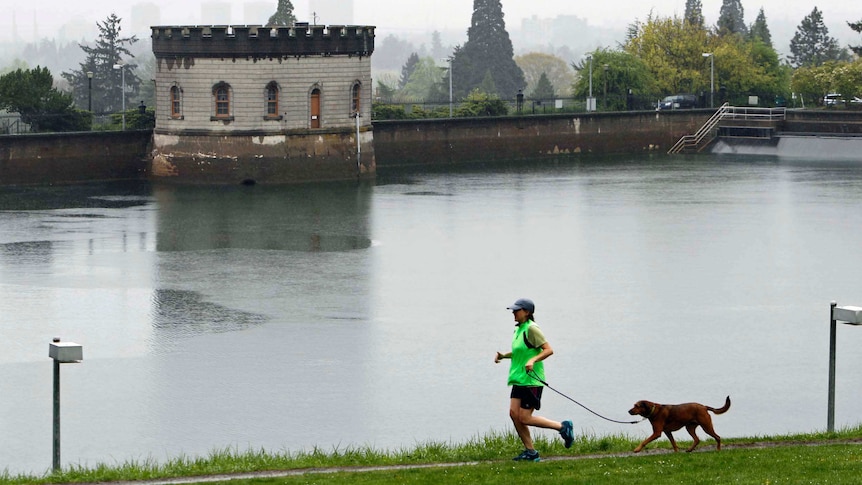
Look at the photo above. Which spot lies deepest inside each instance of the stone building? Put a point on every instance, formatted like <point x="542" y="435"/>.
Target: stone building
<point x="255" y="104"/>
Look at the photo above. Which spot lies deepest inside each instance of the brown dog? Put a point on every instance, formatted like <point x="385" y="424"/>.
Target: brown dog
<point x="666" y="418"/>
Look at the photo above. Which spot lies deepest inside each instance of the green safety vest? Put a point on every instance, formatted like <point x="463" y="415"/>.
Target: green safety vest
<point x="521" y="353"/>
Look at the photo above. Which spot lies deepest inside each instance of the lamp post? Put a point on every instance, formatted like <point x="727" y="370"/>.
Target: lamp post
<point x="606" y="85"/>
<point x="450" y="86"/>
<point x="62" y="353"/>
<point x="711" y="76"/>
<point x="122" y="69"/>
<point x="90" y="91"/>
<point x="591" y="102"/>
<point x="851" y="315"/>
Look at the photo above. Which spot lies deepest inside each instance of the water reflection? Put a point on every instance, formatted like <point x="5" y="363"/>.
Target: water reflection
<point x="266" y="218"/>
<point x="340" y="315"/>
<point x="185" y="314"/>
<point x="27" y="253"/>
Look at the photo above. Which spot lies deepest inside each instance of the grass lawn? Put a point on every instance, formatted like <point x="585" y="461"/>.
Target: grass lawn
<point x="833" y="458"/>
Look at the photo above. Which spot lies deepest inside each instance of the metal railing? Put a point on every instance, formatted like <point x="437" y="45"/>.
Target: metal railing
<point x="725" y="112"/>
<point x="756" y="114"/>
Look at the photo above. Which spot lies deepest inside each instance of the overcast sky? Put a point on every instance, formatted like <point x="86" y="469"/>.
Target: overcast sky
<point x="394" y="16"/>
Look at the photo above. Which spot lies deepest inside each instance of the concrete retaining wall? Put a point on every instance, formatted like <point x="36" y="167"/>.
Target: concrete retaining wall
<point x="83" y="157"/>
<point x="432" y="142"/>
<point x="58" y="158"/>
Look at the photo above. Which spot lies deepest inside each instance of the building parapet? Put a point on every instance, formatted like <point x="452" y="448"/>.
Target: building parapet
<point x="258" y="41"/>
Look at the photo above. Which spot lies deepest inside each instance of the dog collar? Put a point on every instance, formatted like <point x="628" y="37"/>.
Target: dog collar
<point x="651" y="411"/>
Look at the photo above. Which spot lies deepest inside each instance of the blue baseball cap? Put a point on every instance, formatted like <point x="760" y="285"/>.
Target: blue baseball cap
<point x="523" y="304"/>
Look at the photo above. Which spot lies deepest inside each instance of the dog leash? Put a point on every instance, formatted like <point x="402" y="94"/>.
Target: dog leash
<point x="535" y="376"/>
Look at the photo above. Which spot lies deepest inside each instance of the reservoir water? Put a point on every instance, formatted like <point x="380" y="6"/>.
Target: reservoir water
<point x="337" y="315"/>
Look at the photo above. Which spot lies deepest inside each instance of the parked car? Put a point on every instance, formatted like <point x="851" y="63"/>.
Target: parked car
<point x="678" y="101"/>
<point x="832" y="99"/>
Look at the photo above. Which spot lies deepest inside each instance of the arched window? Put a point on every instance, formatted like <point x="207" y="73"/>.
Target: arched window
<point x="221" y="98"/>
<point x="176" y="104"/>
<point x="356" y="105"/>
<point x="315" y="108"/>
<point x="272" y="100"/>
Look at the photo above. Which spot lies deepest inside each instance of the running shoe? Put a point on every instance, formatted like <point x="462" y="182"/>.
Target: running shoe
<point x="527" y="455"/>
<point x="567" y="433"/>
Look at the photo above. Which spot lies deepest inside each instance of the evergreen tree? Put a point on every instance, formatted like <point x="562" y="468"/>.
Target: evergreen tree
<point x="437" y="50"/>
<point x="407" y="70"/>
<point x="488" y="86"/>
<point x="425" y="82"/>
<point x="694" y="12"/>
<point x="759" y="30"/>
<point x="107" y="82"/>
<point x="731" y="19"/>
<point x="283" y="15"/>
<point x="857" y="27"/>
<point x="384" y="92"/>
<point x="488" y="50"/>
<point x="811" y="45"/>
<point x="544" y="89"/>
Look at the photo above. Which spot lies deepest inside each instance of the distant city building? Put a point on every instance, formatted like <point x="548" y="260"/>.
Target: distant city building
<point x="77" y="30"/>
<point x="144" y="16"/>
<point x="257" y="13"/>
<point x="330" y="12"/>
<point x="215" y="13"/>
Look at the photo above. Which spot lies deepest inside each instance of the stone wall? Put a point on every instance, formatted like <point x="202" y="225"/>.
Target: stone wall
<point x="59" y="158"/>
<point x="80" y="157"/>
<point x="214" y="88"/>
<point x="435" y="142"/>
<point x="248" y="79"/>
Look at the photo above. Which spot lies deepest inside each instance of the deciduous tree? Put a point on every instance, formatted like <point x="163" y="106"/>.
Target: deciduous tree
<point x="626" y="73"/>
<point x="534" y="64"/>
<point x="31" y="94"/>
<point x="672" y="51"/>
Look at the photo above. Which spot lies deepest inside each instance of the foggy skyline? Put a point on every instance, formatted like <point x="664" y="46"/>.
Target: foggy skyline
<point x="402" y="17"/>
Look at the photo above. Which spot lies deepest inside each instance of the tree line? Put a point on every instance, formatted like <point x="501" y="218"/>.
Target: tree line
<point x="730" y="61"/>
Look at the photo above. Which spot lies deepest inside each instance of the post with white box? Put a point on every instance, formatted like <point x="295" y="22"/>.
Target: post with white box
<point x="62" y="353"/>
<point x="851" y="315"/>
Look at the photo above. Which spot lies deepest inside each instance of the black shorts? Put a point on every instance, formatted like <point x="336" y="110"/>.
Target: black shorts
<point x="531" y="397"/>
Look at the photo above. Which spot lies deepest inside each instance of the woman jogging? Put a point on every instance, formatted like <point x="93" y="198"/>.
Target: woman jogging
<point x="529" y="349"/>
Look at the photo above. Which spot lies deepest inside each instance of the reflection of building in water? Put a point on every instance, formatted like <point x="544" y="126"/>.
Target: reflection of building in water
<point x="303" y="219"/>
<point x="250" y="104"/>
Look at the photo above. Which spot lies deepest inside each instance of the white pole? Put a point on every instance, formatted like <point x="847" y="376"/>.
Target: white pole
<point x="358" y="148"/>
<point x="711" y="80"/>
<point x="450" y="87"/>
<point x="123" y="71"/>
